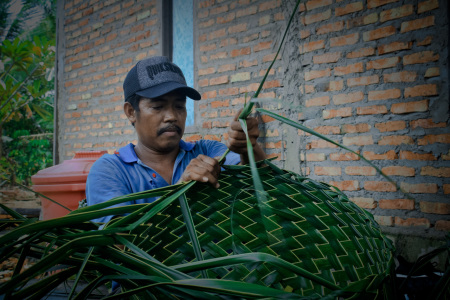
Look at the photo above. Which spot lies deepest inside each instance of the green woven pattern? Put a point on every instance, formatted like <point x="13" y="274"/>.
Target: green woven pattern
<point x="304" y="222"/>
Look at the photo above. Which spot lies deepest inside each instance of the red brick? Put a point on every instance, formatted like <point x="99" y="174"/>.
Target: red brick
<point x="395" y="140"/>
<point x="367" y="203"/>
<point x="355" y="128"/>
<point x="315" y="144"/>
<point x="219" y="80"/>
<point x="407" y="204"/>
<point x="247" y="63"/>
<point x="371" y="110"/>
<point x="403" y="76"/>
<point x="361" y="171"/>
<point x="348" y="156"/>
<point x="427" y="6"/>
<point x="421" y="90"/>
<point x="347" y="185"/>
<point x="216" y="104"/>
<point x="412" y="222"/>
<point x="379" y="186"/>
<point x="420" y="58"/>
<point x="229" y="91"/>
<point x="383" y="63"/>
<point x="433" y="139"/>
<point x="205" y="48"/>
<point x="384" y="220"/>
<point x="436" y="172"/>
<point x="226" y="19"/>
<point x="327" y="58"/>
<point x="354" y="68"/>
<point x="360" y="140"/>
<point x="251" y="10"/>
<point x="347" y="98"/>
<point x="334" y="113"/>
<point x="410" y="107"/>
<point x="446" y="189"/>
<point x="318" y="101"/>
<point x="379" y="33"/>
<point x="209" y="95"/>
<point x="349" y="8"/>
<point x="365" y="80"/>
<point x="327" y="171"/>
<point x="419" y="188"/>
<point x="425" y="42"/>
<point x="328" y="129"/>
<point x="311" y="46"/>
<point x="376" y="3"/>
<point x="192" y="138"/>
<point x="390" y="155"/>
<point x="390" y="126"/>
<point x="269" y="5"/>
<point x="314" y="18"/>
<point x="416" y="156"/>
<point x="417" y="24"/>
<point x="396" y="13"/>
<point x="394" y="46"/>
<point x="432" y="72"/>
<point x="332" y="27"/>
<point x="262" y="46"/>
<point x="361" y="53"/>
<point x="435" y="207"/>
<point x="240" y="52"/>
<point x="317" y="74"/>
<point x="312" y="156"/>
<point x="218" y="9"/>
<point x="334" y="86"/>
<point x="217" y="34"/>
<point x="362" y="20"/>
<point x="237" y="28"/>
<point x="426" y="123"/>
<point x="225" y="68"/>
<point x="312" y="4"/>
<point x="398" y="171"/>
<point x="384" y="94"/>
<point x="442" y="225"/>
<point x="349" y="39"/>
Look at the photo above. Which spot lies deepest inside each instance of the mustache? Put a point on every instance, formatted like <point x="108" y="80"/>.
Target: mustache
<point x="169" y="128"/>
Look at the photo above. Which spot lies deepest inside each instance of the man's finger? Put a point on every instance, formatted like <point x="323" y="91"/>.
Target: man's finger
<point x="236" y="117"/>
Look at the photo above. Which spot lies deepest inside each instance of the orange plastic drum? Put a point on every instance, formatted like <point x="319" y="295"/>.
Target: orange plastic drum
<point x="64" y="183"/>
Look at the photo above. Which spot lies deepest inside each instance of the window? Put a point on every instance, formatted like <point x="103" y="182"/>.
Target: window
<point x="178" y="42"/>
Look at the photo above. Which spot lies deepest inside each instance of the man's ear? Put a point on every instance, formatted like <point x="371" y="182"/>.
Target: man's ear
<point x="130" y="112"/>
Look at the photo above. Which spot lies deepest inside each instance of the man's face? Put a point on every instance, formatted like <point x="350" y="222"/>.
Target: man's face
<point x="160" y="121"/>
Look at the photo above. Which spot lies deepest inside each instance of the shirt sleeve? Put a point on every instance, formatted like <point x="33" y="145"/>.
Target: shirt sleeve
<point x="104" y="182"/>
<point x="214" y="149"/>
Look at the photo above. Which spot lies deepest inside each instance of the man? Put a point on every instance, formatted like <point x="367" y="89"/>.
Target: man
<point x="155" y="103"/>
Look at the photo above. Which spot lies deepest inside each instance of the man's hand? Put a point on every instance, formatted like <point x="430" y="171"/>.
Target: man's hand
<point x="237" y="141"/>
<point x="203" y="169"/>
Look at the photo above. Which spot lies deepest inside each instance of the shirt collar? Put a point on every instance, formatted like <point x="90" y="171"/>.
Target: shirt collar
<point x="128" y="155"/>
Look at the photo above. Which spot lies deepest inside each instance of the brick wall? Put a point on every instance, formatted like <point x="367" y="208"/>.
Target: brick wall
<point x="374" y="78"/>
<point x="370" y="74"/>
<point x="101" y="42"/>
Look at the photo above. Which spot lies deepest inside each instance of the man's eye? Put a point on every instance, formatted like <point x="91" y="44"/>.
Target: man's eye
<point x="157" y="107"/>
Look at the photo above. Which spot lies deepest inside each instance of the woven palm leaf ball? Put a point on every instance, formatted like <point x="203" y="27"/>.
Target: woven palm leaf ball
<point x="309" y="224"/>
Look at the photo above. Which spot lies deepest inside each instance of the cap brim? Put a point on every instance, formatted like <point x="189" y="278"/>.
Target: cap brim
<point x="167" y="87"/>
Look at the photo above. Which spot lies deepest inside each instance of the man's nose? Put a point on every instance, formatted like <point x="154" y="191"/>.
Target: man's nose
<point x="170" y="115"/>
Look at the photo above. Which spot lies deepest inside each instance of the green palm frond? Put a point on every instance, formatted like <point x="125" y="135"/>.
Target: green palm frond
<point x="306" y="241"/>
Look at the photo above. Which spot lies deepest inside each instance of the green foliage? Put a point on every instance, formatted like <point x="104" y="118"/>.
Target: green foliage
<point x="27" y="59"/>
<point x="29" y="154"/>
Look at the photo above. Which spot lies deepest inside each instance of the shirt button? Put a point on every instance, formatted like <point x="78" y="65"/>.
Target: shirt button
<point x="154" y="175"/>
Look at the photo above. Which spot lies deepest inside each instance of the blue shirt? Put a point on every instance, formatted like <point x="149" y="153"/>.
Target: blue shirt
<point x="123" y="173"/>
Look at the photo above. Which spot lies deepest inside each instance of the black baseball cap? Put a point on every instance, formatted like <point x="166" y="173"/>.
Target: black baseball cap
<point x="156" y="76"/>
